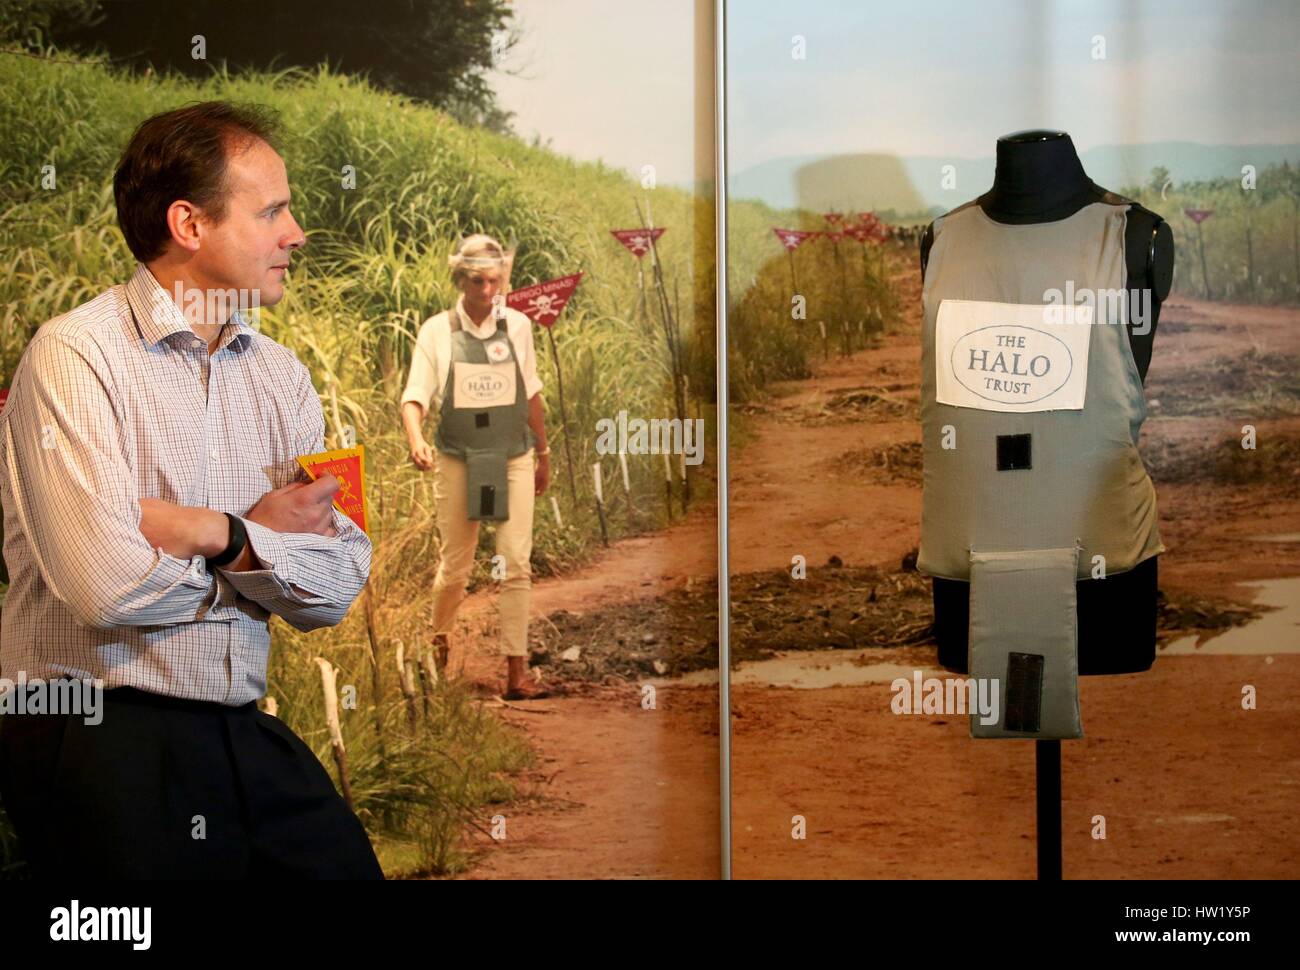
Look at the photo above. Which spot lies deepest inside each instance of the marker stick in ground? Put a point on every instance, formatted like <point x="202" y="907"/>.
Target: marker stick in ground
<point x="328" y="675"/>
<point x="627" y="483"/>
<point x="407" y="683"/>
<point x="600" y="503"/>
<point x="686" y="482"/>
<point x="668" y="485"/>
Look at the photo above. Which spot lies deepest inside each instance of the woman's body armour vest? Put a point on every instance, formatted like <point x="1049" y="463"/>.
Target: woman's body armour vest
<point x="484" y="416"/>
<point x="1031" y="403"/>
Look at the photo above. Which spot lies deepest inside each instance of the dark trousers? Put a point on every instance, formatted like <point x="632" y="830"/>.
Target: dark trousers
<point x="169" y="788"/>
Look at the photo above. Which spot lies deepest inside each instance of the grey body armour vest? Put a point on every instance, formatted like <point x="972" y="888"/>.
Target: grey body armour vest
<point x="1031" y="406"/>
<point x="479" y="421"/>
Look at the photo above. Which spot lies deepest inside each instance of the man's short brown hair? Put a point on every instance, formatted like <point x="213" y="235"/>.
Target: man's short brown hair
<point x="181" y="154"/>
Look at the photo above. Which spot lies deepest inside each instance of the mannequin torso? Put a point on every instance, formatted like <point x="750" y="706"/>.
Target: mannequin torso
<point x="1039" y="179"/>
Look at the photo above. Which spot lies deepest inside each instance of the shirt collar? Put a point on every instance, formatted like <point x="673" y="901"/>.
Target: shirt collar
<point x="158" y="316"/>
<point x="481" y="330"/>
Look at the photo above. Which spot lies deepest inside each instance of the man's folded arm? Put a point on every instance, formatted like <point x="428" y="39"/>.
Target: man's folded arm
<point x="311" y="580"/>
<point x="78" y="501"/>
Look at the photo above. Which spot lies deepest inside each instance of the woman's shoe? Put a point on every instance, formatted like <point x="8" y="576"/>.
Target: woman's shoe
<point x="525" y="693"/>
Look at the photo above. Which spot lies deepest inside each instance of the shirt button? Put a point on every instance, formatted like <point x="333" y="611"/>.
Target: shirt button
<point x="213" y="454"/>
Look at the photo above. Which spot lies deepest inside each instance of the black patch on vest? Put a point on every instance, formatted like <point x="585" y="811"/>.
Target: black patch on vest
<point x="1024" y="696"/>
<point x="1014" y="452"/>
<point x="487" y="500"/>
<point x="481" y="419"/>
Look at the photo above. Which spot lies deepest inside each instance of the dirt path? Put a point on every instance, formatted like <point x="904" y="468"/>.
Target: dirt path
<point x="619" y="790"/>
<point x="1190" y="785"/>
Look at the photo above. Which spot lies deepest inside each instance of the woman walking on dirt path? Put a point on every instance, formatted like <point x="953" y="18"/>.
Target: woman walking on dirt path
<point x="475" y="368"/>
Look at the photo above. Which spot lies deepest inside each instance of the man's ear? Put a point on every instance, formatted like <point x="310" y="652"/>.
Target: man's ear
<point x="183" y="221"/>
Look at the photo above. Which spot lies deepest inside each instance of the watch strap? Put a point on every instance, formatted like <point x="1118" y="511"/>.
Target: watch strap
<point x="238" y="539"/>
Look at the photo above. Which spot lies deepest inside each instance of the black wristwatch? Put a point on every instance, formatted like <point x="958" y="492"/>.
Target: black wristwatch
<point x="238" y="539"/>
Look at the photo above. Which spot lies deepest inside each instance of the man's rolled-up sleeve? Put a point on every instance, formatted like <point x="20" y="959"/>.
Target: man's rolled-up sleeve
<point x="310" y="580"/>
<point x="77" y="499"/>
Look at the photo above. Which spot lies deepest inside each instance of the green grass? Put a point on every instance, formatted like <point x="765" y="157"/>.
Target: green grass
<point x="1250" y="229"/>
<point x="843" y="286"/>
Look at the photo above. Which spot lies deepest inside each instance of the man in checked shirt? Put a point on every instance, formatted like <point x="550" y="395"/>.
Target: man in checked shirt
<point x="154" y="520"/>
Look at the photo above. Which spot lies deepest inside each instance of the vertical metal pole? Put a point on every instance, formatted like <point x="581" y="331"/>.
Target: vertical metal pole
<point x="1047" y="757"/>
<point x="724" y="590"/>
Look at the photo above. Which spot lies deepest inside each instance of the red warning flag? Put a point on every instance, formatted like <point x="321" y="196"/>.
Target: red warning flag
<point x="792" y="239"/>
<point x="542" y="302"/>
<point x="637" y="241"/>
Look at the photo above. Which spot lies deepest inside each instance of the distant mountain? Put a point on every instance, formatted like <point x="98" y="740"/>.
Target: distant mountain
<point x="914" y="184"/>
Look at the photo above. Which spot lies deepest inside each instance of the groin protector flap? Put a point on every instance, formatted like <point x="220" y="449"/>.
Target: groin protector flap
<point x="1023" y="634"/>
<point x="488" y="484"/>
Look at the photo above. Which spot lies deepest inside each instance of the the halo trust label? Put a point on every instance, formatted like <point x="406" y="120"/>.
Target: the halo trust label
<point x="483" y="385"/>
<point x="1012" y="356"/>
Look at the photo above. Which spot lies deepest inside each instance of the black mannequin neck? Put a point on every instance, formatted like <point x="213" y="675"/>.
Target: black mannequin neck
<point x="1039" y="178"/>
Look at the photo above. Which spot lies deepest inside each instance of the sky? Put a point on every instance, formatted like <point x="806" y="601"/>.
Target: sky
<point x="608" y="79"/>
<point x="616" y="80"/>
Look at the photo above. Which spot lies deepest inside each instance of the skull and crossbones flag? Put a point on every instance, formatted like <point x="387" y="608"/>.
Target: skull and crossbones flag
<point x="542" y="302"/>
<point x="637" y="241"/>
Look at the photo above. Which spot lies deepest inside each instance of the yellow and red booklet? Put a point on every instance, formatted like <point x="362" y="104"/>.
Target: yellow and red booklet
<point x="348" y="465"/>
